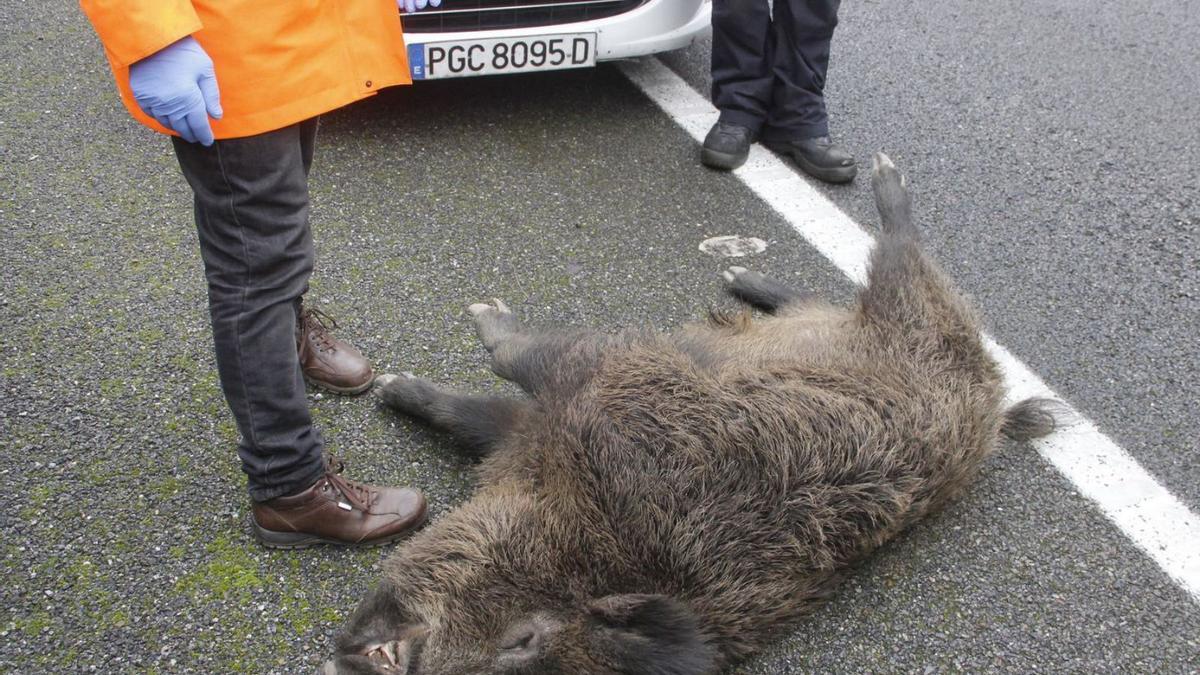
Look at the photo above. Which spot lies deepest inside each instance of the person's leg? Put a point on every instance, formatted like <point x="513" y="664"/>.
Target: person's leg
<point x="803" y="32"/>
<point x="797" y="122"/>
<point x="741" y="61"/>
<point x="251" y="202"/>
<point x="741" y="79"/>
<point x="325" y="361"/>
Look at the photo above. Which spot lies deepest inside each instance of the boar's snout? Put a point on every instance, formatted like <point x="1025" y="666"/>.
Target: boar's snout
<point x="393" y="658"/>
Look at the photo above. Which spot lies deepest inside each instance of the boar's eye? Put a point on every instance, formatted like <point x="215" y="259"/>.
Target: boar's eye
<point x="525" y="640"/>
<point x="522" y="640"/>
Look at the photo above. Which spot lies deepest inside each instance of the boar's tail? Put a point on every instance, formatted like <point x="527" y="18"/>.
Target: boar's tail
<point x="1032" y="418"/>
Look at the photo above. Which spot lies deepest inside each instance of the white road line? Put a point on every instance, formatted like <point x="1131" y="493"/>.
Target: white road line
<point x="1146" y="512"/>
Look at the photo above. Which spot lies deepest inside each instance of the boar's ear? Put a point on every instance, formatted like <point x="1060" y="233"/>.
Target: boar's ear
<point x="650" y="634"/>
<point x="379" y="618"/>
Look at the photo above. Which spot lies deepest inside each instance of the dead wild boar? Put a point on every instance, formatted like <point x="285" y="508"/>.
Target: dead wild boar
<point x="663" y="504"/>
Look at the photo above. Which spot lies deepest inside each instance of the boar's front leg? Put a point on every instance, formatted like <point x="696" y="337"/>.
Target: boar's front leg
<point x="477" y="423"/>
<point x="759" y="291"/>
<point x="540" y="362"/>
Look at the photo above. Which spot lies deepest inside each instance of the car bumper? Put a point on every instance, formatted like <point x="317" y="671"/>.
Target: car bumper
<point x="657" y="26"/>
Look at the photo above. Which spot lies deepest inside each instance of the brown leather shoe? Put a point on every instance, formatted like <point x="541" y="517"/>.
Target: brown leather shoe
<point x="328" y="362"/>
<point x="338" y="511"/>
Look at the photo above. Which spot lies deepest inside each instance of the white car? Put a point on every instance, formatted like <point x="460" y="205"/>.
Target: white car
<point x="461" y="38"/>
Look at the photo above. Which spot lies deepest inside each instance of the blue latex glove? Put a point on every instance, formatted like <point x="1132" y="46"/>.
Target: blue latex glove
<point x="176" y="86"/>
<point x="414" y="5"/>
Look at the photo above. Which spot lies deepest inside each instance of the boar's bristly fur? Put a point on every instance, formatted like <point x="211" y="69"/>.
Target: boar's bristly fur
<point x="662" y="504"/>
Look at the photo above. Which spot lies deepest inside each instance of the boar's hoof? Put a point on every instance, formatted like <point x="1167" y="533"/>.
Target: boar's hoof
<point x="881" y="164"/>
<point x="481" y="307"/>
<point x="494" y="323"/>
<point x="383" y="381"/>
<point x="733" y="273"/>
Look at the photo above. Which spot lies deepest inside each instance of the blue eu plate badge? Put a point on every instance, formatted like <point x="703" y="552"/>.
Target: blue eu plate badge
<point x="416" y="61"/>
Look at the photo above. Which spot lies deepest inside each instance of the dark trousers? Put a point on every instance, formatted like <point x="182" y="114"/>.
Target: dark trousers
<point x="251" y="201"/>
<point x="768" y="72"/>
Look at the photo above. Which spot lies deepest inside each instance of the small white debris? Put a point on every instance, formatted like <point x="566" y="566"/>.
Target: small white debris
<point x="733" y="246"/>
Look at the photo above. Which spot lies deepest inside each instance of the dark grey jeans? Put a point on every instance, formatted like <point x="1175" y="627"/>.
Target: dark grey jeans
<point x="251" y="199"/>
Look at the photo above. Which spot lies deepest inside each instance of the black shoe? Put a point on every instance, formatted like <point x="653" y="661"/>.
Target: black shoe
<point x="819" y="158"/>
<point x="726" y="146"/>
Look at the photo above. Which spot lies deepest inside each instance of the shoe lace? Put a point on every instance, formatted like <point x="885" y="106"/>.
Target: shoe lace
<point x="318" y="324"/>
<point x="360" y="496"/>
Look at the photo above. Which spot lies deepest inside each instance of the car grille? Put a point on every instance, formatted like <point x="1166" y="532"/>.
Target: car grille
<point x="465" y="15"/>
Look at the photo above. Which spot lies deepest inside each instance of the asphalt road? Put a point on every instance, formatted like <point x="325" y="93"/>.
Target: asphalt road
<point x="1055" y="159"/>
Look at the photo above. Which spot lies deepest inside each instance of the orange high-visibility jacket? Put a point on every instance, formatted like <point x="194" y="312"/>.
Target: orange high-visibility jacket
<point x="277" y="62"/>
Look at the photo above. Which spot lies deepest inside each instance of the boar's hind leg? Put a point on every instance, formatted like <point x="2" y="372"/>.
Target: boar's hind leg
<point x="477" y="423"/>
<point x="760" y="291"/>
<point x="903" y="286"/>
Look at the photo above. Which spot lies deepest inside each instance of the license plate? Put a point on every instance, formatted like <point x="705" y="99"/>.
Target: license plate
<point x="464" y="58"/>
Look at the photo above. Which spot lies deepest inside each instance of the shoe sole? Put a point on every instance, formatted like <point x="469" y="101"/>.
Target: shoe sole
<point x="836" y="175"/>
<point x="295" y="540"/>
<point x="721" y="160"/>
<point x="341" y="391"/>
